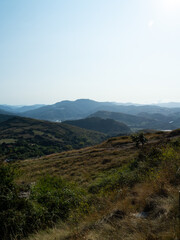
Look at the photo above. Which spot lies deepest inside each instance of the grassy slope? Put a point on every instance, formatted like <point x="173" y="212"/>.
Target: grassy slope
<point x="30" y="138"/>
<point x="115" y="212"/>
<point x="84" y="164"/>
<point x="78" y="165"/>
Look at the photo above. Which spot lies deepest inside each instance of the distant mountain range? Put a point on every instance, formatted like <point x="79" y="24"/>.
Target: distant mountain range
<point x="169" y="104"/>
<point x="165" y="116"/>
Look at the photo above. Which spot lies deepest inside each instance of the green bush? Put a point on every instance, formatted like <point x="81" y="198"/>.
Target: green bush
<point x="57" y="197"/>
<point x="139" y="139"/>
<point x="51" y="199"/>
<point x="12" y="207"/>
<point x="119" y="178"/>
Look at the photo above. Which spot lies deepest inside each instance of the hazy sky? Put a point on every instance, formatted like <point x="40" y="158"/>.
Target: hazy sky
<point x="106" y="50"/>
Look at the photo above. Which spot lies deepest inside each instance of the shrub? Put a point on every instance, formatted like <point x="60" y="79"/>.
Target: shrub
<point x="56" y="196"/>
<point x="139" y="139"/>
<point x="51" y="199"/>
<point x="12" y="214"/>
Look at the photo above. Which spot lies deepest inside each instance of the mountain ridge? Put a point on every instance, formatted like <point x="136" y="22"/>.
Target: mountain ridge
<point x="153" y="116"/>
<point x="81" y="108"/>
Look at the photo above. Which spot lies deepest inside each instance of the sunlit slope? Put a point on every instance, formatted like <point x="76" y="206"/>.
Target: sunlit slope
<point x="85" y="164"/>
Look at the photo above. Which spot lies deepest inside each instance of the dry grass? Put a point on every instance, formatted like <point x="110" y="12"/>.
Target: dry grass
<point x="83" y="165"/>
<point x="116" y="215"/>
<point x="109" y="223"/>
<point x="77" y="165"/>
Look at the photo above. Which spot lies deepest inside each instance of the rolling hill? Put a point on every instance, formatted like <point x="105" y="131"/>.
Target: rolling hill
<point x="107" y="126"/>
<point x="22" y="138"/>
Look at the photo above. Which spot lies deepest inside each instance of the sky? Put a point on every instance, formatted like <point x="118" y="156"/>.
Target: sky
<point x="105" y="50"/>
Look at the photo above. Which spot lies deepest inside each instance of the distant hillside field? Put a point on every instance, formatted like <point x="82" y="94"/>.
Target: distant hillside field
<point x="22" y="137"/>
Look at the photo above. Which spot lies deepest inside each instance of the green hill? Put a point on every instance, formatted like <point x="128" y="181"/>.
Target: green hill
<point x="107" y="126"/>
<point x="23" y="137"/>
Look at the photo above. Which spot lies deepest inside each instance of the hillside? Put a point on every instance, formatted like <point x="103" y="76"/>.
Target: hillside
<point x="142" y="121"/>
<point x="129" y="193"/>
<point x="22" y="138"/>
<point x="107" y="126"/>
<point x="85" y="164"/>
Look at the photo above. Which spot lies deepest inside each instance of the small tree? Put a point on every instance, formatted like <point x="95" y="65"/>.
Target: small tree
<point x="142" y="139"/>
<point x="139" y="139"/>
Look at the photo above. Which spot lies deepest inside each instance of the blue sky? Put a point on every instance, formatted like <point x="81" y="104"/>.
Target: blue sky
<point x="118" y="50"/>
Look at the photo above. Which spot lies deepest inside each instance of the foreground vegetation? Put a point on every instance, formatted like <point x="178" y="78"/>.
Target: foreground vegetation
<point x="49" y="200"/>
<point x="126" y="192"/>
